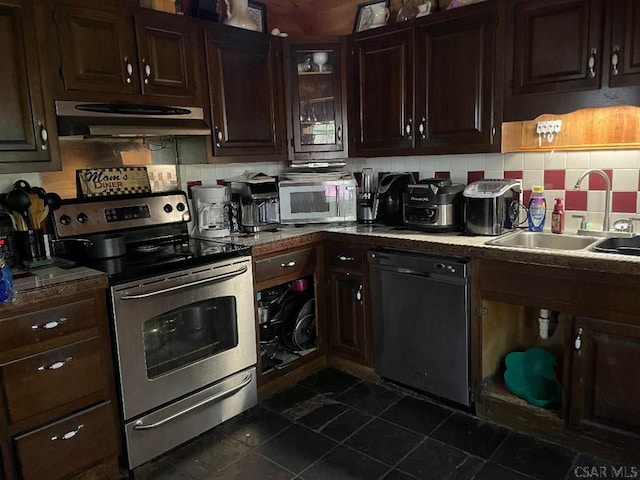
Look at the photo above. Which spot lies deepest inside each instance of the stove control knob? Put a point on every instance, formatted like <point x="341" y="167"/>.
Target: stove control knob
<point x="82" y="218"/>
<point x="65" y="219"/>
<point x="168" y="208"/>
<point x="180" y="207"/>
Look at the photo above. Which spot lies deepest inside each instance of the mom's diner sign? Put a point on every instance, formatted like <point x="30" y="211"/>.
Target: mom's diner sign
<point x="102" y="182"/>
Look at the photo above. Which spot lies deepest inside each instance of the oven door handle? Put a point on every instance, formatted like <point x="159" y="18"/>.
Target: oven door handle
<point x="218" y="396"/>
<point x="217" y="278"/>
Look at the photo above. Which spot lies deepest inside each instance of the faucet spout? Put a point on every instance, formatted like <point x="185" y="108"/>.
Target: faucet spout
<point x="607" y="199"/>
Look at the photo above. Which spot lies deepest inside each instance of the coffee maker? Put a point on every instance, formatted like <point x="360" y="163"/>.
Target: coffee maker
<point x="366" y="196"/>
<point x="210" y="208"/>
<point x="258" y="207"/>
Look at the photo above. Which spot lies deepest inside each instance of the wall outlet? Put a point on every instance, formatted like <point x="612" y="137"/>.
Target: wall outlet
<point x="552" y="126"/>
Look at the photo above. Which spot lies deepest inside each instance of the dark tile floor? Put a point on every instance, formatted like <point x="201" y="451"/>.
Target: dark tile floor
<point x="334" y="426"/>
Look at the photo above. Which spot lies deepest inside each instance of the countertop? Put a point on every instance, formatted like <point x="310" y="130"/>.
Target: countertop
<point x="41" y="283"/>
<point x="265" y="243"/>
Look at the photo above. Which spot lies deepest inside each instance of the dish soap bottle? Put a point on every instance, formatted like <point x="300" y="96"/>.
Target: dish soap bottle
<point x="537" y="209"/>
<point x="557" y="217"/>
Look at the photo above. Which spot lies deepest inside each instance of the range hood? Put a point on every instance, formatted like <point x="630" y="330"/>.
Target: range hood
<point x="89" y="119"/>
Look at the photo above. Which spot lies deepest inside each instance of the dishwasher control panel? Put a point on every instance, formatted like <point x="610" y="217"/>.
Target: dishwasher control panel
<point x="420" y="263"/>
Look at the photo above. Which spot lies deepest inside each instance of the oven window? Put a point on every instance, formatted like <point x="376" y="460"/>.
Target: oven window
<point x="309" y="202"/>
<point x="189" y="334"/>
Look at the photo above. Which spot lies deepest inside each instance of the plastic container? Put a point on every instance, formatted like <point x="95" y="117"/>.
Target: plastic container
<point x="557" y="217"/>
<point x="6" y="282"/>
<point x="531" y="375"/>
<point x="537" y="209"/>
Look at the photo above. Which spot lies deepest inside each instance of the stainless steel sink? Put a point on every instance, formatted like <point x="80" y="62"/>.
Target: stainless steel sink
<point x="621" y="245"/>
<point x="545" y="241"/>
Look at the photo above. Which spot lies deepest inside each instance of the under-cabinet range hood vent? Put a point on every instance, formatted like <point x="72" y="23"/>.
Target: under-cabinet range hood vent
<point x="88" y="119"/>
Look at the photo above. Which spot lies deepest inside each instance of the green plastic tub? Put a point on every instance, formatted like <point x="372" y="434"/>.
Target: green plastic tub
<point x="531" y="375"/>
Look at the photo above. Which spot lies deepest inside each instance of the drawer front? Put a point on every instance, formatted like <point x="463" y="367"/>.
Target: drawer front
<point x="345" y="256"/>
<point x="46" y="324"/>
<point x="69" y="445"/>
<point x="40" y="382"/>
<point x="285" y="264"/>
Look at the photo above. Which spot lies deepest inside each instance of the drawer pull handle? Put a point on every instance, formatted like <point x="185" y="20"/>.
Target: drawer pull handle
<point x="290" y="264"/>
<point x="68" y="435"/>
<point x="50" y="325"/>
<point x="55" y="365"/>
<point x="342" y="258"/>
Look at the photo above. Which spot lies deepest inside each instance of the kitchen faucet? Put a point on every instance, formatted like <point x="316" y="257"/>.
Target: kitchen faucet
<point x="607" y="200"/>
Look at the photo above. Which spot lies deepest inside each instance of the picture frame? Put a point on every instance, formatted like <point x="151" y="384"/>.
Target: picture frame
<point x="365" y="14"/>
<point x="258" y="11"/>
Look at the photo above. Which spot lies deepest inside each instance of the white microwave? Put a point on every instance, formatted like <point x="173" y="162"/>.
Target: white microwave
<point x="317" y="201"/>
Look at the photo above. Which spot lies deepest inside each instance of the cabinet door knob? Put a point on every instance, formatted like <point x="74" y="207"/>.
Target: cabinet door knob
<point x="129" y="69"/>
<point x="49" y="325"/>
<point x="147" y="71"/>
<point x="592" y="62"/>
<point x="55" y="365"/>
<point x="44" y="135"/>
<point x="339" y="133"/>
<point x="578" y="341"/>
<point x="408" y="128"/>
<point x="359" y="293"/>
<point x="344" y="258"/>
<point x="68" y="435"/>
<point x="615" y="58"/>
<point x="290" y="264"/>
<point x="422" y="127"/>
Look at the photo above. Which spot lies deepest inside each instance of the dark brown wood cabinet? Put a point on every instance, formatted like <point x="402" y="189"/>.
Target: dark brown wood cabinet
<point x="564" y="55"/>
<point x="595" y="338"/>
<point x="314" y="75"/>
<point x="603" y="392"/>
<point x="350" y="333"/>
<point x="120" y="54"/>
<point x="246" y="83"/>
<point x="381" y="95"/>
<point x="432" y="88"/>
<point x="58" y="388"/>
<point x="456" y="85"/>
<point x="28" y="137"/>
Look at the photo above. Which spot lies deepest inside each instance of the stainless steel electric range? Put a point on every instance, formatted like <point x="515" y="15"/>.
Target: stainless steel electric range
<point x="181" y="311"/>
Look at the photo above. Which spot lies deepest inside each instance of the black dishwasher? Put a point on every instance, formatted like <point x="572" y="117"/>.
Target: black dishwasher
<point x="420" y="309"/>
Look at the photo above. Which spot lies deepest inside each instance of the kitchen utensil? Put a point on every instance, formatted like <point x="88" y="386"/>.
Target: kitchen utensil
<point x="22" y="185"/>
<point x="53" y="200"/>
<point x="19" y="201"/>
<point x="36" y="209"/>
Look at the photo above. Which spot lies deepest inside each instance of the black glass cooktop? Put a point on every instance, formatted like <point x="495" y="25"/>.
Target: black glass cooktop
<point x="148" y="260"/>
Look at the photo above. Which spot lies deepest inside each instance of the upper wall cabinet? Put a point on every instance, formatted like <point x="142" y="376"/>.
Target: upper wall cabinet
<point x="456" y="106"/>
<point x="381" y="96"/>
<point x="245" y="72"/>
<point x="426" y="89"/>
<point x="570" y="54"/>
<point x="317" y="127"/>
<point x="109" y="52"/>
<point x="28" y="136"/>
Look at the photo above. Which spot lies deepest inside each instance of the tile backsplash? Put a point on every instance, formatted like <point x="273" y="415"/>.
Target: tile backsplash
<point x="557" y="171"/>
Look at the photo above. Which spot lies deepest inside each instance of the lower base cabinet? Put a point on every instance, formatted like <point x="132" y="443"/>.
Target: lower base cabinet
<point x="59" y="414"/>
<point x="350" y="333"/>
<point x="595" y="338"/>
<point x="606" y="386"/>
<point x="69" y="445"/>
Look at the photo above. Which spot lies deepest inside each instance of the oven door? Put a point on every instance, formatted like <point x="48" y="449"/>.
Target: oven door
<point x="181" y="332"/>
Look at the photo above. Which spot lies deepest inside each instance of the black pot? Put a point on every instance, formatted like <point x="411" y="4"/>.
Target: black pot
<point x="106" y="245"/>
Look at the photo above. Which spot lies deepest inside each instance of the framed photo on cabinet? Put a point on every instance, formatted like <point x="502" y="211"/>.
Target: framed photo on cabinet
<point x="371" y="14"/>
<point x="258" y="11"/>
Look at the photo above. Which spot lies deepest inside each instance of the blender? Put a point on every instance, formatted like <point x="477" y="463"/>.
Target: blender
<point x="366" y="196"/>
<point x="210" y="206"/>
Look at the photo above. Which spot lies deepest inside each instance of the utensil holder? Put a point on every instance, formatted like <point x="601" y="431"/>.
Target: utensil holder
<point x="31" y="249"/>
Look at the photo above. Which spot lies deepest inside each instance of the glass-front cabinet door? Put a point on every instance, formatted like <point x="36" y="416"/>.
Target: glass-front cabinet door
<point x="316" y="94"/>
